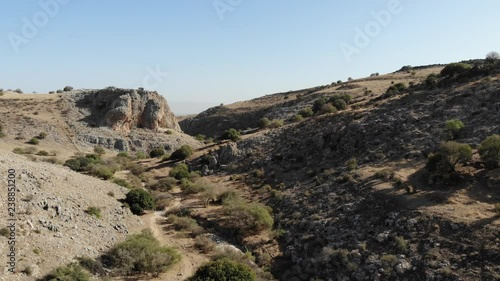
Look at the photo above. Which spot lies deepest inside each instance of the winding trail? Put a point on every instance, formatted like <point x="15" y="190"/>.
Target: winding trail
<point x="191" y="259"/>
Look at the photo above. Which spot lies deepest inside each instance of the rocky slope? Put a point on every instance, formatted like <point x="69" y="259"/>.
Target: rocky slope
<point x="284" y="106"/>
<point x="117" y="119"/>
<point x="354" y="225"/>
<point x="52" y="226"/>
<point x="124" y="109"/>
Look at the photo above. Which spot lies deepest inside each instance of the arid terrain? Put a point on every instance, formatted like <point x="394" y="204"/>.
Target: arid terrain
<point x="381" y="178"/>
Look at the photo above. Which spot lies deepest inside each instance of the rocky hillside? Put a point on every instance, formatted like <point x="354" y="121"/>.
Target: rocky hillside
<point x="117" y="119"/>
<point x="124" y="109"/>
<point x="53" y="225"/>
<point x="284" y="106"/>
<point x="350" y="189"/>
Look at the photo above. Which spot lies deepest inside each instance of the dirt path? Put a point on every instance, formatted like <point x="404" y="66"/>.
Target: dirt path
<point x="191" y="259"/>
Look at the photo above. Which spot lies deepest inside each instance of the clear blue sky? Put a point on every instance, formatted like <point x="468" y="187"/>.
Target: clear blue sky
<point x="256" y="48"/>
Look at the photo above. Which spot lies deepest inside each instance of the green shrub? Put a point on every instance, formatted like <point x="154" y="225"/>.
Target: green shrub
<point x="4" y="232"/>
<point x="93" y="266"/>
<point x="453" y="128"/>
<point x="182" y="153"/>
<point x="318" y="105"/>
<point x="141" y="198"/>
<point x="190" y="187"/>
<point x="137" y="169"/>
<point x="306" y="112"/>
<point x="249" y="218"/>
<point x="327" y="108"/>
<point x="453" y="69"/>
<point x="101" y="171"/>
<point x="431" y="81"/>
<point x="59" y="91"/>
<point x="139" y="155"/>
<point x="122" y="182"/>
<point x="122" y="154"/>
<point x="85" y="163"/>
<point x="205" y="244"/>
<point x="42" y="136"/>
<point x="340" y="104"/>
<point x="19" y="91"/>
<point x="385" y="174"/>
<point x="72" y="272"/>
<point x="157" y="152"/>
<point x="179" y="171"/>
<point x="140" y="254"/>
<point x="490" y="151"/>
<point x="443" y="164"/>
<point x="340" y="101"/>
<point x="68" y="88"/>
<point x="34" y="141"/>
<point x="264" y="122"/>
<point x="99" y="150"/>
<point x="28" y="150"/>
<point x="352" y="164"/>
<point x="276" y="124"/>
<point x="231" y="134"/>
<point x="396" y="89"/>
<point x="224" y="270"/>
<point x="200" y="137"/>
<point x="185" y="224"/>
<point x="298" y="118"/>
<point x="94" y="211"/>
<point x="165" y="184"/>
<point x="42" y="153"/>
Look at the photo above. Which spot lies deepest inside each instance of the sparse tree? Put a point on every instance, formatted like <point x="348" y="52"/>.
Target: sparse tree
<point x="490" y="151"/>
<point x="492" y="57"/>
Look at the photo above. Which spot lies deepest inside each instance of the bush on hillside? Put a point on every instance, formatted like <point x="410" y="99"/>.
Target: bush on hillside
<point x="318" y="105"/>
<point x="179" y="171"/>
<point x="276" y="124"/>
<point x="264" y="122"/>
<point x="139" y="198"/>
<point x="396" y="89"/>
<point x="443" y="163"/>
<point x="157" y="152"/>
<point x="73" y="272"/>
<point x="306" y="112"/>
<point x="431" y="81"/>
<point x="182" y="153"/>
<point x="99" y="150"/>
<point x="231" y="134"/>
<point x="34" y="141"/>
<point x="490" y="151"/>
<point x="140" y="254"/>
<point x="163" y="185"/>
<point x="327" y="108"/>
<point x="68" y="88"/>
<point x="454" y="69"/>
<point x="223" y="269"/>
<point x="84" y="163"/>
<point x="249" y="218"/>
<point x="453" y="128"/>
